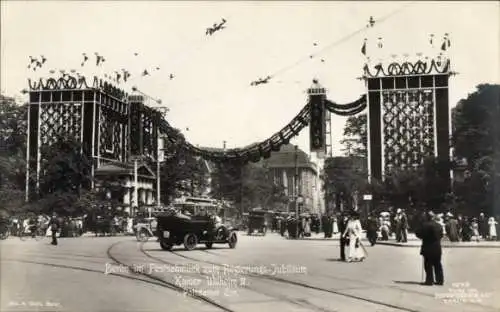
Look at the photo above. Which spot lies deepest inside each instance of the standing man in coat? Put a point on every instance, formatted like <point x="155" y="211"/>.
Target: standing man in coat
<point x="371" y="230"/>
<point x="404" y="227"/>
<point x="54" y="227"/>
<point x="430" y="232"/>
<point x="342" y="224"/>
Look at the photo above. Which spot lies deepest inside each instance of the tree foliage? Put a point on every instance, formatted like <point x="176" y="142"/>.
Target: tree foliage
<point x="12" y="154"/>
<point x="65" y="172"/>
<point x="181" y="173"/>
<point x="65" y="166"/>
<point x="424" y="186"/>
<point x="475" y="119"/>
<point x="343" y="178"/>
<point x="355" y="136"/>
<point x="249" y="186"/>
<point x="476" y="138"/>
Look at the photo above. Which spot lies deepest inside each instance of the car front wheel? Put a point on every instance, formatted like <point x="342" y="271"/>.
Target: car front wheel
<point x="190" y="241"/>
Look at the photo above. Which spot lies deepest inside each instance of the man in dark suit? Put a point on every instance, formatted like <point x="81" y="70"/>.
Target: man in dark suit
<point x="430" y="232"/>
<point x="54" y="227"/>
<point x="342" y="224"/>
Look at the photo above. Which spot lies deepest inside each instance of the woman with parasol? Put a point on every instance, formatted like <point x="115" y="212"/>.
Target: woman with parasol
<point x="353" y="233"/>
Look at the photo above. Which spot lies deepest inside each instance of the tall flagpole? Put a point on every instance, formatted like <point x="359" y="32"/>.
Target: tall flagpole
<point x="38" y="156"/>
<point x="28" y="129"/>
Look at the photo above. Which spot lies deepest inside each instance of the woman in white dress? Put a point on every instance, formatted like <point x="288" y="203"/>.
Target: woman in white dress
<point x="353" y="232"/>
<point x="493" y="228"/>
<point x="307" y="227"/>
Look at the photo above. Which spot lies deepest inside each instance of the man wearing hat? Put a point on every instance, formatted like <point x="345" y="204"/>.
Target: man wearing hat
<point x="342" y="225"/>
<point x="431" y="233"/>
<point x="54" y="227"/>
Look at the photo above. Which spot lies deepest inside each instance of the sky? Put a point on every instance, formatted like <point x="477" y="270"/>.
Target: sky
<point x="210" y="93"/>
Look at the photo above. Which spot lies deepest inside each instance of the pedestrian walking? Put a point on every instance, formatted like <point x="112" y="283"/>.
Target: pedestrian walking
<point x="398" y="224"/>
<point x="404" y="227"/>
<point x="482" y="225"/>
<point x="492" y="228"/>
<point x="475" y="230"/>
<point x="430" y="233"/>
<point x="452" y="229"/>
<point x="371" y="230"/>
<point x="353" y="231"/>
<point x="342" y="225"/>
<point x="54" y="227"/>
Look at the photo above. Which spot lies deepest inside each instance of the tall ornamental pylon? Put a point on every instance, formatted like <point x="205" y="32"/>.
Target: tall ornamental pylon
<point x="317" y="125"/>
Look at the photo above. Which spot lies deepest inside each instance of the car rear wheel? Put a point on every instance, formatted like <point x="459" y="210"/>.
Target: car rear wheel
<point x="165" y="245"/>
<point x="190" y="241"/>
<point x="233" y="240"/>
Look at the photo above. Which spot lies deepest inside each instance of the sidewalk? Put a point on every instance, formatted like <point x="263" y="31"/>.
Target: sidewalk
<point x="445" y="244"/>
<point x="413" y="241"/>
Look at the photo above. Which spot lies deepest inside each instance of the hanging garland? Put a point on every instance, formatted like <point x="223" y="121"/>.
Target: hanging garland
<point x="253" y="153"/>
<point x="350" y="112"/>
<point x="353" y="105"/>
<point x="407" y="68"/>
<point x="350" y="109"/>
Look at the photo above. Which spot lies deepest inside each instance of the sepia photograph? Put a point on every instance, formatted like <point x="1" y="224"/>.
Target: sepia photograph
<point x="241" y="156"/>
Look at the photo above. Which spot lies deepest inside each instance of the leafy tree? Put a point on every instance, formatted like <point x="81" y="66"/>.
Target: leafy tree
<point x="65" y="172"/>
<point x="227" y="181"/>
<point x="344" y="177"/>
<point x="181" y="173"/>
<point x="12" y="127"/>
<point x="249" y="186"/>
<point x="355" y="136"/>
<point x="12" y="154"/>
<point x="476" y="138"/>
<point x="64" y="167"/>
<point x="475" y="130"/>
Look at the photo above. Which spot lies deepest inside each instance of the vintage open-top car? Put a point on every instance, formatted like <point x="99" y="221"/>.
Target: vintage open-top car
<point x="257" y="221"/>
<point x="177" y="229"/>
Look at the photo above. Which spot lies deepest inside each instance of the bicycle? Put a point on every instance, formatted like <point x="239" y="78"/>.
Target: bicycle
<point x="4" y="231"/>
<point x="24" y="233"/>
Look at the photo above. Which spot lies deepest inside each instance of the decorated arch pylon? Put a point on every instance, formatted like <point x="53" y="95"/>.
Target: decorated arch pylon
<point x="408" y="115"/>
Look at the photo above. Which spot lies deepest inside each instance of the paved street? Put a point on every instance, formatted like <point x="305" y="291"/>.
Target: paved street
<point x="141" y="277"/>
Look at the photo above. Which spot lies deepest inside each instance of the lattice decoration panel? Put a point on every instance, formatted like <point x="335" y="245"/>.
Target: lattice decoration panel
<point x="110" y="142"/>
<point x="408" y="128"/>
<point x="148" y="137"/>
<point x="56" y="118"/>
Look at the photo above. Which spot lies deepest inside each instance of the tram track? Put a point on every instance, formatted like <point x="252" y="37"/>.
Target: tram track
<point x="336" y="278"/>
<point x="289" y="282"/>
<point x="163" y="283"/>
<point x="301" y="302"/>
<point x="312" y="287"/>
<point x="321" y="289"/>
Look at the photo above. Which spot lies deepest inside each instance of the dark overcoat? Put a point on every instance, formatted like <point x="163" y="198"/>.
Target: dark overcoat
<point x="430" y="233"/>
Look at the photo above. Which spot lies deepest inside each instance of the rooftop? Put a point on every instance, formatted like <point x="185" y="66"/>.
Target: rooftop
<point x="285" y="158"/>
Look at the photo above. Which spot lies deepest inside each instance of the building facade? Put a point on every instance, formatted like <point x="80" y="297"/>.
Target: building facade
<point x="284" y="165"/>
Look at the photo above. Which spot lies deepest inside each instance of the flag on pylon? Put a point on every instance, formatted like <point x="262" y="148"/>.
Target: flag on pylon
<point x="363" y="48"/>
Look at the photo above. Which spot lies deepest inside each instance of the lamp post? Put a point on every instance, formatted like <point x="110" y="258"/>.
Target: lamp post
<point x="158" y="199"/>
<point x="296" y="191"/>
<point x="135" y="198"/>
